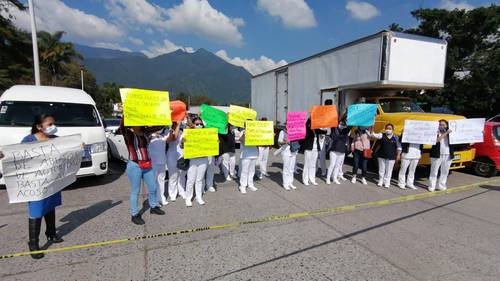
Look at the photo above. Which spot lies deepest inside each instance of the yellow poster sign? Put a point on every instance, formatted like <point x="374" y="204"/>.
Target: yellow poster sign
<point x="145" y="107"/>
<point x="201" y="143"/>
<point x="259" y="133"/>
<point x="238" y="115"/>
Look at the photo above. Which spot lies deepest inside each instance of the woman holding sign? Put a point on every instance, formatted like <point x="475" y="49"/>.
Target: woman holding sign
<point x="42" y="129"/>
<point x="227" y="147"/>
<point x="312" y="147"/>
<point x="176" y="176"/>
<point x="263" y="157"/>
<point x="338" y="148"/>
<point x="441" y="157"/>
<point x="140" y="168"/>
<point x="248" y="156"/>
<point x="289" y="154"/>
<point x="360" y="144"/>
<point x="196" y="172"/>
<point x="411" y="153"/>
<point x="389" y="151"/>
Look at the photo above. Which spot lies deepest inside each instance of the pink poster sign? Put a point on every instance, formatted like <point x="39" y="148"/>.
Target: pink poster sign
<point x="296" y="125"/>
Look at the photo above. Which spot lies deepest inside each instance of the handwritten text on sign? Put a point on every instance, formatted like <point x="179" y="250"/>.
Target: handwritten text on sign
<point x="145" y="107"/>
<point x="361" y="114"/>
<point x="238" y="115"/>
<point x="420" y="132"/>
<point x="324" y="116"/>
<point x="201" y="143"/>
<point x="259" y="133"/>
<point x="296" y="125"/>
<point x="34" y="171"/>
<point x="466" y="130"/>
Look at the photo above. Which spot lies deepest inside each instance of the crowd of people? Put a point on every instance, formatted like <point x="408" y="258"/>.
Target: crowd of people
<point x="155" y="152"/>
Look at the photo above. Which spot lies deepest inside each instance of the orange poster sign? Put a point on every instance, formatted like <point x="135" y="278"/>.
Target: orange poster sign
<point x="178" y="109"/>
<point x="324" y="116"/>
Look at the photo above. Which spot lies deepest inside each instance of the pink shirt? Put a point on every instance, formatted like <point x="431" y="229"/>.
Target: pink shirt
<point x="361" y="143"/>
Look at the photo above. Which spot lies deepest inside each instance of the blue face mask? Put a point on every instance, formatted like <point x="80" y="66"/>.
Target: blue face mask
<point x="198" y="126"/>
<point x="50" y="131"/>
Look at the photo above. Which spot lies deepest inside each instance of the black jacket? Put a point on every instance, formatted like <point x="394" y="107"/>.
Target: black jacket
<point x="388" y="147"/>
<point x="227" y="143"/>
<point x="339" y="140"/>
<point x="308" y="142"/>
<point x="436" y="150"/>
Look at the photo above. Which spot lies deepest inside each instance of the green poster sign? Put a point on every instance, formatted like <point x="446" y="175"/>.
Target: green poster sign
<point x="214" y="118"/>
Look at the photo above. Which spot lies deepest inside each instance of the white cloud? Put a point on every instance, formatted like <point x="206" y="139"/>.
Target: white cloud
<point x="200" y="18"/>
<point x="113" y="46"/>
<point x="293" y="13"/>
<point x="165" y="47"/>
<point x="132" y="13"/>
<point x="136" y="41"/>
<point x="254" y="66"/>
<point x="452" y="5"/>
<point x="361" y="10"/>
<point x="54" y="15"/>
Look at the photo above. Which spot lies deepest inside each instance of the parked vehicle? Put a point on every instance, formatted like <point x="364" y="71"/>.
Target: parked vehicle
<point x="117" y="146"/>
<point x="111" y="124"/>
<point x="487" y="161"/>
<point x="75" y="113"/>
<point x="377" y="68"/>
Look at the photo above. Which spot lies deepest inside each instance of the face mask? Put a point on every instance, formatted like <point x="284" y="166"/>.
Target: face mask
<point x="388" y="131"/>
<point x="198" y="126"/>
<point x="50" y="131"/>
<point x="341" y="126"/>
<point x="442" y="129"/>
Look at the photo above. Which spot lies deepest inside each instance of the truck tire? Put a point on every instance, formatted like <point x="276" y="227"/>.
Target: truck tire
<point x="484" y="167"/>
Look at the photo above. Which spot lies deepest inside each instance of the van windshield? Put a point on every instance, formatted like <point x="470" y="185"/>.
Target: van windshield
<point x="22" y="113"/>
<point x="399" y="105"/>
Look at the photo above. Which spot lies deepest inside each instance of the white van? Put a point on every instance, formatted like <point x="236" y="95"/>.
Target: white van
<point x="75" y="113"/>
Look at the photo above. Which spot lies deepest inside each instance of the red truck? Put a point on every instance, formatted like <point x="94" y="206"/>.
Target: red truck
<point x="487" y="161"/>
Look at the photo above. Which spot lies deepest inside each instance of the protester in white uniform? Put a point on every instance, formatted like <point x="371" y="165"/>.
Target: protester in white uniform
<point x="441" y="157"/>
<point x="324" y="141"/>
<point x="209" y="178"/>
<point x="157" y="149"/>
<point x="389" y="151"/>
<point x="248" y="156"/>
<point x="339" y="146"/>
<point x="263" y="157"/>
<point x="196" y="173"/>
<point x="288" y="154"/>
<point x="411" y="153"/>
<point x="311" y="148"/>
<point x="176" y="176"/>
<point x="227" y="146"/>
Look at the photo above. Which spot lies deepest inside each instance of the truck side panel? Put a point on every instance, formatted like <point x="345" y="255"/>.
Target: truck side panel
<point x="264" y="95"/>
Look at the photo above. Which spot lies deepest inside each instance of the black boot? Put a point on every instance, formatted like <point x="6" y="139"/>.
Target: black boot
<point x="50" y="222"/>
<point x="34" y="232"/>
<point x="137" y="219"/>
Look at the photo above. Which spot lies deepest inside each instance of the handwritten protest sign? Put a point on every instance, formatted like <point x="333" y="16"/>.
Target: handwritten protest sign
<point x="145" y="107"/>
<point x="466" y="130"/>
<point x="296" y="125"/>
<point x="36" y="170"/>
<point x="200" y="143"/>
<point x="324" y="116"/>
<point x="420" y="132"/>
<point x="259" y="133"/>
<point x="238" y="115"/>
<point x="214" y="118"/>
<point x="178" y="110"/>
<point x="361" y="114"/>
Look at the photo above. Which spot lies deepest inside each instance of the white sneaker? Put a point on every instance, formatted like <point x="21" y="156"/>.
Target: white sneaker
<point x="343" y="178"/>
<point x="243" y="190"/>
<point x="306" y="184"/>
<point x="353" y="180"/>
<point x="401" y="186"/>
<point x="412" y="187"/>
<point x="314" y="183"/>
<point x="189" y="203"/>
<point x="229" y="178"/>
<point x="200" y="201"/>
<point x="286" y="188"/>
<point x="293" y="187"/>
<point x="328" y="181"/>
<point x="363" y="180"/>
<point x="164" y="202"/>
<point x="431" y="189"/>
<point x="442" y="188"/>
<point x="211" y="189"/>
<point x="253" y="188"/>
<point x="336" y="181"/>
<point x="173" y="199"/>
<point x="386" y="185"/>
<point x="379" y="184"/>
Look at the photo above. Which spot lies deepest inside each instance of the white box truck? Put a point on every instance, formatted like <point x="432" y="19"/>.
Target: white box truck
<point x="376" y="67"/>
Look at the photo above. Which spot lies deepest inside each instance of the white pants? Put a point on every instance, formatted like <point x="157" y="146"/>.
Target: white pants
<point x="263" y="157"/>
<point x="385" y="167"/>
<point x="336" y="162"/>
<point x="176" y="179"/>
<point x="288" y="168"/>
<point x="247" y="172"/>
<point x="411" y="166"/>
<point x="195" y="176"/>
<point x="322" y="160"/>
<point x="160" y="173"/>
<point x="441" y="164"/>
<point x="228" y="164"/>
<point x="309" y="172"/>
<point x="209" y="180"/>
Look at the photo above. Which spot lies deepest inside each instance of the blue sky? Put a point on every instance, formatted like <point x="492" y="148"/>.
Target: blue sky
<point x="256" y="34"/>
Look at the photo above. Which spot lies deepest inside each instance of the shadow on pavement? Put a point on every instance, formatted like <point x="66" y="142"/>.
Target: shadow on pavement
<point x="77" y="218"/>
<point x="115" y="171"/>
<point x="346" y="236"/>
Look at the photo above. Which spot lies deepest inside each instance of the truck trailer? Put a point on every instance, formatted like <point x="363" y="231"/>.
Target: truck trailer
<point x="375" y="69"/>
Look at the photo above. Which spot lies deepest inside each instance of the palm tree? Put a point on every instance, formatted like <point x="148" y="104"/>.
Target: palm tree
<point x="54" y="54"/>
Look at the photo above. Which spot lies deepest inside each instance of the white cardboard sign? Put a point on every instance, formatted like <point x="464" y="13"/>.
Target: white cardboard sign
<point x="420" y="132"/>
<point x="466" y="130"/>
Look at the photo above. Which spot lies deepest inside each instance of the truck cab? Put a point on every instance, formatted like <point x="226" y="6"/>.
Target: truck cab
<point x="396" y="110"/>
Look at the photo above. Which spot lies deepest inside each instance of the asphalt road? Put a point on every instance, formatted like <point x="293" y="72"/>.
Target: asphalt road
<point x="450" y="237"/>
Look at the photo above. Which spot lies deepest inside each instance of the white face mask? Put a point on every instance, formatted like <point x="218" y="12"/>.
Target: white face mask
<point x="388" y="131"/>
<point x="198" y="126"/>
<point x="341" y="126"/>
<point x="50" y="131"/>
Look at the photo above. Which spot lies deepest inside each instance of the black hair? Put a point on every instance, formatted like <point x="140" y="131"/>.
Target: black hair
<point x="445" y="121"/>
<point x="38" y="122"/>
<point x="198" y="119"/>
<point x="389" y="124"/>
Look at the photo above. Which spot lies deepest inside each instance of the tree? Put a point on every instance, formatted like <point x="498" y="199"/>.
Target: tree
<point x="199" y="100"/>
<point x="395" y="27"/>
<point x="472" y="82"/>
<point x="54" y="54"/>
<point x="183" y="97"/>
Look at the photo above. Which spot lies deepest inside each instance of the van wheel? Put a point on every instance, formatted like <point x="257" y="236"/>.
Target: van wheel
<point x="484" y="167"/>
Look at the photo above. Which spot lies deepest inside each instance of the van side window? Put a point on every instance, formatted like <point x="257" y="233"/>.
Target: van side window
<point x="328" y="102"/>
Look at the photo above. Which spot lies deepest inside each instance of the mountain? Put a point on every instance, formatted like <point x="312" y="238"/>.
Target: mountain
<point x="102" y="53"/>
<point x="201" y="73"/>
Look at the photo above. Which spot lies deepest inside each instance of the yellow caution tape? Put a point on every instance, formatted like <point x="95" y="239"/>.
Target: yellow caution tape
<point x="320" y="212"/>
